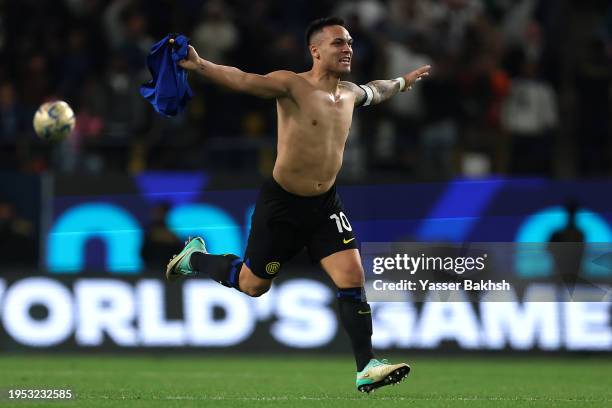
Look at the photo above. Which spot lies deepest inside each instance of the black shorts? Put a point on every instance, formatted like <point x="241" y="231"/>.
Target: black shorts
<point x="283" y="223"/>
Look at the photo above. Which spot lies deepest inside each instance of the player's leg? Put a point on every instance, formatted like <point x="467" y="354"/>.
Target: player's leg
<point x="346" y="271"/>
<point x="227" y="269"/>
<point x="334" y="245"/>
<point x="272" y="241"/>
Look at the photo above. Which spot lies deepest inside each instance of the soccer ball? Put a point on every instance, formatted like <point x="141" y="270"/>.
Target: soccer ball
<point x="54" y="121"/>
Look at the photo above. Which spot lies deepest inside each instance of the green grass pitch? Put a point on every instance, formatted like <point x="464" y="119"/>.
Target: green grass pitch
<point x="305" y="381"/>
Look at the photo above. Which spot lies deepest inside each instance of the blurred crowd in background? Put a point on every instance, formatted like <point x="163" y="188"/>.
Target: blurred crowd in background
<point x="518" y="87"/>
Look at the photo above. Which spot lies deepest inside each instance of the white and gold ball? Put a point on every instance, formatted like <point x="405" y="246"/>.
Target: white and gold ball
<point x="54" y="121"/>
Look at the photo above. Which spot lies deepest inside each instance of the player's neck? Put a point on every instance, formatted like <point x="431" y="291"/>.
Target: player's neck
<point x="324" y="80"/>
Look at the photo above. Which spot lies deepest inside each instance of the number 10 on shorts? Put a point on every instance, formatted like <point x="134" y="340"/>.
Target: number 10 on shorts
<point x="342" y="223"/>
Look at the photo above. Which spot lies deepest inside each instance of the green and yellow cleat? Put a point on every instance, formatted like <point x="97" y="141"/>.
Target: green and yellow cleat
<point x="379" y="373"/>
<point x="179" y="264"/>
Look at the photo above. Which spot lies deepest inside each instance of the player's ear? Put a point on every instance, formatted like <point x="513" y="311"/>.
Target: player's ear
<point x="314" y="51"/>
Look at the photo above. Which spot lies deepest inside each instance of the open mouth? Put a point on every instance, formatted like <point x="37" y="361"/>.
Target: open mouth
<point x="345" y="60"/>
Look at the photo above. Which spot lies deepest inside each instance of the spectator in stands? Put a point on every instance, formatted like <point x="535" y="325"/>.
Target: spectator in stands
<point x="159" y="241"/>
<point x="216" y="35"/>
<point x="593" y="109"/>
<point x="567" y="246"/>
<point x="56" y="49"/>
<point x="529" y="115"/>
<point x="17" y="244"/>
<point x="11" y="114"/>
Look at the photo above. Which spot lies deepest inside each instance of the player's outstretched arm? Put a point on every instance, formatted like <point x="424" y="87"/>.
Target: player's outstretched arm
<point x="272" y="85"/>
<point x="375" y="92"/>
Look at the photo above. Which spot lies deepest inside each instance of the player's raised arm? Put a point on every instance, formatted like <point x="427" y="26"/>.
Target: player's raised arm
<point x="378" y="91"/>
<point x="272" y="85"/>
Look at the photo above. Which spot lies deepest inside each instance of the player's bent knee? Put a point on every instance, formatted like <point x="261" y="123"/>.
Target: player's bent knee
<point x="251" y="284"/>
<point x="352" y="283"/>
<point x="351" y="278"/>
<point x="255" y="291"/>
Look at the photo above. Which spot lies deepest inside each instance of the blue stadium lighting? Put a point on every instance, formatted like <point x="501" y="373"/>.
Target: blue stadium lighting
<point x="173" y="187"/>
<point x="116" y="227"/>
<point x="538" y="228"/>
<point x="454" y="216"/>
<point x="220" y="230"/>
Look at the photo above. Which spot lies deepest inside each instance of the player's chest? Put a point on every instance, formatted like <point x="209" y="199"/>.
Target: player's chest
<point x="325" y="111"/>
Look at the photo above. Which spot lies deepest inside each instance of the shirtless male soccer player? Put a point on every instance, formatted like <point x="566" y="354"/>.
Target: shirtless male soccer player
<point x="299" y="207"/>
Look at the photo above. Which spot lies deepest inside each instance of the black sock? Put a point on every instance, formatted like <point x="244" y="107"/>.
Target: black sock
<point x="356" y="318"/>
<point x="224" y="269"/>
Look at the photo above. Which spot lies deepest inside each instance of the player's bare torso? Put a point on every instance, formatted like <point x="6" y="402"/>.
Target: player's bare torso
<point x="313" y="125"/>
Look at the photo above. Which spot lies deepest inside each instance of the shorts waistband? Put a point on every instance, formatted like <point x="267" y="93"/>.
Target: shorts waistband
<point x="278" y="188"/>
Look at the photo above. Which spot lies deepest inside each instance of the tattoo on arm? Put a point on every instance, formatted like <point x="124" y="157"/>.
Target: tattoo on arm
<point x="380" y="90"/>
<point x="383" y="90"/>
<point x="360" y="95"/>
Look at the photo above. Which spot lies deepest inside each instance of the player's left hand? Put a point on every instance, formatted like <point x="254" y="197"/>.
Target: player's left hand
<point x="415" y="76"/>
<point x="191" y="62"/>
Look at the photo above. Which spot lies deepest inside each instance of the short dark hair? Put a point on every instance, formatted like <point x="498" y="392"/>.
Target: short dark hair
<point x="320" y="23"/>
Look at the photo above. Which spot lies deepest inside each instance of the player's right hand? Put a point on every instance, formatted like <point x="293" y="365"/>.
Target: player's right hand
<point x="415" y="76"/>
<point x="191" y="62"/>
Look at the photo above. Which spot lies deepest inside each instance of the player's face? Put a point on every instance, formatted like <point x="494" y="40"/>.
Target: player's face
<point x="336" y="49"/>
